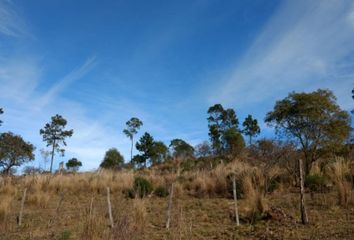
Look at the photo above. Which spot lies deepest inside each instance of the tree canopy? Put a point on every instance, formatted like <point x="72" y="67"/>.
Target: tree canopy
<point x="54" y="134"/>
<point x="133" y="125"/>
<point x="1" y="112"/>
<point x="222" y="125"/>
<point x="313" y="120"/>
<point x="14" y="151"/>
<point x="181" y="148"/>
<point x="112" y="160"/>
<point x="151" y="151"/>
<point x="73" y="164"/>
<point x="250" y="127"/>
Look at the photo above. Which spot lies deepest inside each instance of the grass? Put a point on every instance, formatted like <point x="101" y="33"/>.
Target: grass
<point x="74" y="206"/>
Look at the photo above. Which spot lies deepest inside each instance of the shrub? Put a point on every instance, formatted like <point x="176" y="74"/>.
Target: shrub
<point x="316" y="182"/>
<point x="141" y="188"/>
<point x="161" y="191"/>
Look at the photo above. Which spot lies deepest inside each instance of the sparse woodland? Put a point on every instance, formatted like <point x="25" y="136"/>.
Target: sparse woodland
<point x="236" y="186"/>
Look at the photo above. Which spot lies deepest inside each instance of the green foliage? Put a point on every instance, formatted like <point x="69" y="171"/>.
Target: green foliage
<point x="159" y="152"/>
<point x="234" y="141"/>
<point x="1" y="112"/>
<point x="54" y="134"/>
<point x="220" y="122"/>
<point x="112" y="160"/>
<point x="161" y="191"/>
<point x="73" y="164"/>
<point x="154" y="151"/>
<point x="316" y="182"/>
<point x="250" y="127"/>
<point x="65" y="235"/>
<point x="314" y="120"/>
<point x="146" y="147"/>
<point x="181" y="148"/>
<point x="133" y="125"/>
<point x="141" y="188"/>
<point x="14" y="151"/>
<point x="188" y="164"/>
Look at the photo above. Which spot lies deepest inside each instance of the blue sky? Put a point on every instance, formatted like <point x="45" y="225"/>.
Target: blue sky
<point x="98" y="63"/>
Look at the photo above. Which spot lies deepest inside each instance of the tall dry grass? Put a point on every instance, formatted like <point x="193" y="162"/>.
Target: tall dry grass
<point x="339" y="173"/>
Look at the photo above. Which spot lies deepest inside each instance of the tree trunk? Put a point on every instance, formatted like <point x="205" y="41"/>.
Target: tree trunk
<point x="304" y="218"/>
<point x="51" y="161"/>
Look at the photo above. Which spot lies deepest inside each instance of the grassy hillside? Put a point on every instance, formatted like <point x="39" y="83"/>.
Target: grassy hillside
<point x="74" y="206"/>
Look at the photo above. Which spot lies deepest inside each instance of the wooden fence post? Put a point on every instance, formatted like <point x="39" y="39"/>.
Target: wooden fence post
<point x="235" y="200"/>
<point x="169" y="209"/>
<point x="22" y="206"/>
<point x="304" y="218"/>
<point x="109" y="208"/>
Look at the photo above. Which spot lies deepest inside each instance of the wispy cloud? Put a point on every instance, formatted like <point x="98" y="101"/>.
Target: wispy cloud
<point x="302" y="47"/>
<point x="11" y="24"/>
<point x="63" y="83"/>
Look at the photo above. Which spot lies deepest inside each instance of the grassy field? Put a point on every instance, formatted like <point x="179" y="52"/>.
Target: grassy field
<point x="74" y="206"/>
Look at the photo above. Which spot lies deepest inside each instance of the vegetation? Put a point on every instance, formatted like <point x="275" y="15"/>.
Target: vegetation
<point x="181" y="149"/>
<point x="1" y="112"/>
<point x="133" y="125"/>
<point x="313" y="120"/>
<point x="222" y="123"/>
<point x="14" y="151"/>
<point x="73" y="164"/>
<point x="54" y="134"/>
<point x="251" y="128"/>
<point x="112" y="160"/>
<point x="195" y="183"/>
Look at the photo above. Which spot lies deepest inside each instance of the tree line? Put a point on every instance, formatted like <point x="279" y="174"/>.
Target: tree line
<point x="313" y="123"/>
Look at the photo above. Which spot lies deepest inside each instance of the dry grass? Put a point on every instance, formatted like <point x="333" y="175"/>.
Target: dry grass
<point x="338" y="172"/>
<point x="201" y="204"/>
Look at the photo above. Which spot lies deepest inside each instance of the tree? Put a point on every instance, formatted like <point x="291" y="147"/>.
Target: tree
<point x="234" y="141"/>
<point x="133" y="125"/>
<point x="54" y="134"/>
<point x="203" y="149"/>
<point x="251" y="127"/>
<point x="180" y="148"/>
<point x="146" y="147"/>
<point x="153" y="151"/>
<point x="73" y="164"/>
<point x="14" y="151"/>
<point x="112" y="160"/>
<point x="313" y="120"/>
<point x="159" y="152"/>
<point x="1" y="112"/>
<point x="219" y="122"/>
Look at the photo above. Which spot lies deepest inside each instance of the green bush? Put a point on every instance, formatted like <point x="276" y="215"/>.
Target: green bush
<point x="141" y="188"/>
<point x="161" y="191"/>
<point x="316" y="183"/>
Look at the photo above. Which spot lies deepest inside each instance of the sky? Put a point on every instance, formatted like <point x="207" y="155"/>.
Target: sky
<point x="99" y="63"/>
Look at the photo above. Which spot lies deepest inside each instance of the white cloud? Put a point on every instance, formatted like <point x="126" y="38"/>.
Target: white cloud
<point x="300" y="48"/>
<point x="11" y="24"/>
